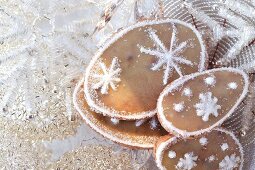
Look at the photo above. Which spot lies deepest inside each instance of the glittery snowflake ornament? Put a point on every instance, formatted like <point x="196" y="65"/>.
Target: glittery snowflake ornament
<point x="150" y="55"/>
<point x="215" y="95"/>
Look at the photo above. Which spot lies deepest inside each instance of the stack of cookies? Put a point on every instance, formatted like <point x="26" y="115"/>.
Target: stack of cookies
<point x="147" y="88"/>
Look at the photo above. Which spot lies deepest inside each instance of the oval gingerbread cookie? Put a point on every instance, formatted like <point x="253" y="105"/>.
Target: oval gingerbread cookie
<point x="133" y="133"/>
<point x="199" y="102"/>
<point x="218" y="149"/>
<point x="124" y="79"/>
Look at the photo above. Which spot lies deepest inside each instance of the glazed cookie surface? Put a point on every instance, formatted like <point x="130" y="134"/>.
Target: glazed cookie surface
<point x="218" y="149"/>
<point x="136" y="133"/>
<point x="197" y="103"/>
<point x="127" y="75"/>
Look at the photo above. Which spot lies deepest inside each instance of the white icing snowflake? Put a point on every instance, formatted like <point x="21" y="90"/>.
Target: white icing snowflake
<point x="171" y="154"/>
<point x="187" y="92"/>
<point x="203" y="141"/>
<point x="232" y="85"/>
<point x="210" y="81"/>
<point x="207" y="106"/>
<point x="229" y="162"/>
<point x="115" y="121"/>
<point x="224" y="146"/>
<point x="179" y="107"/>
<point x="110" y="76"/>
<point x="167" y="59"/>
<point x="188" y="162"/>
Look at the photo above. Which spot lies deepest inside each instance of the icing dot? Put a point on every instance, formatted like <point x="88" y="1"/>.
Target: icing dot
<point x="187" y="92"/>
<point x="224" y="146"/>
<point x="210" y="81"/>
<point x="171" y="154"/>
<point x="232" y="85"/>
<point x="178" y="107"/>
<point x="153" y="123"/>
<point x="211" y="158"/>
<point x="115" y="121"/>
<point x="203" y="141"/>
<point x="139" y="122"/>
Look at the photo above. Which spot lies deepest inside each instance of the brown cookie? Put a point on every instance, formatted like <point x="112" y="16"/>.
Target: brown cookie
<point x="133" y="133"/>
<point x="199" y="102"/>
<point x="126" y="76"/>
<point x="218" y="149"/>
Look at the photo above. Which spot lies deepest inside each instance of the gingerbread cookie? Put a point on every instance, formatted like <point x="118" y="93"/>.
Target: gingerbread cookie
<point x="218" y="149"/>
<point x="127" y="75"/>
<point x="140" y="133"/>
<point x="199" y="102"/>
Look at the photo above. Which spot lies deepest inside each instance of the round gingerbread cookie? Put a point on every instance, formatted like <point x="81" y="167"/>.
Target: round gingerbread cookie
<point x="126" y="76"/>
<point x="199" y="102"/>
<point x="218" y="149"/>
<point x="134" y="133"/>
